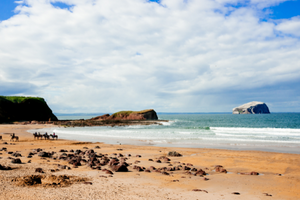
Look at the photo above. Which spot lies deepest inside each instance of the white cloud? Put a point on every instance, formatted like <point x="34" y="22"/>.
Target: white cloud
<point x="107" y="55"/>
<point x="290" y="26"/>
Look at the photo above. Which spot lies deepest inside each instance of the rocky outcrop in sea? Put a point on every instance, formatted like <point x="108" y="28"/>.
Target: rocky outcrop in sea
<point x="253" y="107"/>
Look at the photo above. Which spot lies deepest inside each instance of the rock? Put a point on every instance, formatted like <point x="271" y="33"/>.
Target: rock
<point x="219" y="168"/>
<point x="16" y="154"/>
<point x="102" y="117"/>
<point x="2" y="167"/>
<point x="16" y="161"/>
<point x="108" y="172"/>
<point x="200" y="172"/>
<point x="236" y="193"/>
<point x="39" y="170"/>
<point x="44" y="154"/>
<point x="268" y="195"/>
<point x="149" y="114"/>
<point x="253" y="107"/>
<point x="119" y="167"/>
<point x="199" y="190"/>
<point x="17" y="108"/>
<point x="174" y="153"/>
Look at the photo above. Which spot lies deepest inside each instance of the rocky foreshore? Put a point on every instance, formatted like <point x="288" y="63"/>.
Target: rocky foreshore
<point x="82" y="122"/>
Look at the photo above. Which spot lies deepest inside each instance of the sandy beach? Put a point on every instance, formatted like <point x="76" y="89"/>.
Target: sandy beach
<point x="278" y="173"/>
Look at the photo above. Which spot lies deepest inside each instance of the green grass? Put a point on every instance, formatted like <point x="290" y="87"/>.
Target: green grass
<point x="19" y="99"/>
<point x="128" y="112"/>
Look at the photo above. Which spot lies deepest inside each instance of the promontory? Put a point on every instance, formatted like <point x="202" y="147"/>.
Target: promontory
<point x="18" y="108"/>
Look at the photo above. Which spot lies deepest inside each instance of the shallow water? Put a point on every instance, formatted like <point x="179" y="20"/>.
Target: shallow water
<point x="274" y="132"/>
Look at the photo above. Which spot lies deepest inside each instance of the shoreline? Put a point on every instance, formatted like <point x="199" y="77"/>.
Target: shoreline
<point x="137" y="184"/>
<point x="250" y="146"/>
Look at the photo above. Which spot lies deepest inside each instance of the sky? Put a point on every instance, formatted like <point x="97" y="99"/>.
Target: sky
<point x="103" y="56"/>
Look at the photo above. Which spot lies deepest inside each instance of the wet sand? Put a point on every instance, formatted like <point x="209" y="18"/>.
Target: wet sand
<point x="279" y="173"/>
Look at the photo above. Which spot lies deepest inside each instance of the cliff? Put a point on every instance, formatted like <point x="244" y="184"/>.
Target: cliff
<point x="253" y="107"/>
<point x="149" y="114"/>
<point x="16" y="108"/>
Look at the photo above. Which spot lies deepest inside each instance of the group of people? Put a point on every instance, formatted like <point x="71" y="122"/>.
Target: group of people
<point x="45" y="135"/>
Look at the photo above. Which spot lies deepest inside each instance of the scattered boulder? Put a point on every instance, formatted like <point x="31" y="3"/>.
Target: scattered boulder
<point x="44" y="154"/>
<point x="16" y="154"/>
<point x="2" y="167"/>
<point x="174" y="153"/>
<point x="16" y="161"/>
<point x="39" y="170"/>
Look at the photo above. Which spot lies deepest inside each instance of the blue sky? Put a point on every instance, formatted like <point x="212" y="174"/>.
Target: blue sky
<point x="170" y="55"/>
<point x="282" y="10"/>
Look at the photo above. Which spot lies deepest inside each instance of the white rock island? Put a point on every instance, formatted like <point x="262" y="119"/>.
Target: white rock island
<point x="253" y="107"/>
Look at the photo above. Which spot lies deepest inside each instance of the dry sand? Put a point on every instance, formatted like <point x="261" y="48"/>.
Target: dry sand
<point x="279" y="172"/>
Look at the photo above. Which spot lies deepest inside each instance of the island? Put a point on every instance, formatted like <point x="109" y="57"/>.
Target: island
<point x="254" y="107"/>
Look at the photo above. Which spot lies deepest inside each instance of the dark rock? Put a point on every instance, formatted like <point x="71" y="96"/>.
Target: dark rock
<point x="16" y="161"/>
<point x="108" y="172"/>
<point x="199" y="190"/>
<point x="200" y="172"/>
<point x="268" y="195"/>
<point x="220" y="168"/>
<point x="174" y="153"/>
<point x="16" y="154"/>
<point x="236" y="193"/>
<point x="39" y="170"/>
<point x="2" y="167"/>
<point x="44" y="154"/>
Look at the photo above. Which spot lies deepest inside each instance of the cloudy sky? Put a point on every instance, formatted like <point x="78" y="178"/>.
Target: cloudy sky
<point x="91" y="56"/>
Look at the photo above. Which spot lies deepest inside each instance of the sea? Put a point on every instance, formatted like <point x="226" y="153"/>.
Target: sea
<point x="275" y="132"/>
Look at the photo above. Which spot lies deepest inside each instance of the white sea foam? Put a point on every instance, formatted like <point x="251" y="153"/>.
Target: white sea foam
<point x="185" y="133"/>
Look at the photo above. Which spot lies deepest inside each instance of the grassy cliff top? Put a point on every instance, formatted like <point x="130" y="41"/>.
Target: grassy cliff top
<point x="19" y="99"/>
<point x="126" y="113"/>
